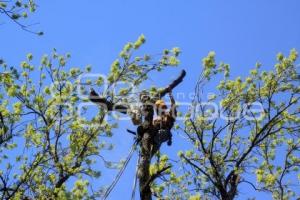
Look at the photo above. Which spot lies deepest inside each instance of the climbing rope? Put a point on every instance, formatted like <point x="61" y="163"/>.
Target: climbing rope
<point x="135" y="178"/>
<point x="118" y="176"/>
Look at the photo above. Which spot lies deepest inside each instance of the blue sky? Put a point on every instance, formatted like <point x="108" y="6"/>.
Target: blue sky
<point x="240" y="32"/>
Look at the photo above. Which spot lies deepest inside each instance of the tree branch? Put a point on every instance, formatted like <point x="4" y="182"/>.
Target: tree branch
<point x="170" y="87"/>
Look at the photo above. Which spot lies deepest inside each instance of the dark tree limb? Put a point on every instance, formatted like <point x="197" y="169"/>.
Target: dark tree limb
<point x="170" y="87"/>
<point x="105" y="103"/>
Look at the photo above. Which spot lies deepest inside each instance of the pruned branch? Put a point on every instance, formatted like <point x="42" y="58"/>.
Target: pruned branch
<point x="170" y="87"/>
<point x="104" y="102"/>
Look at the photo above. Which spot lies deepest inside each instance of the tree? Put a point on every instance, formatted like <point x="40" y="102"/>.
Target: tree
<point x="50" y="141"/>
<point x="51" y="148"/>
<point x="48" y="145"/>
<point x="137" y="70"/>
<point x="254" y="130"/>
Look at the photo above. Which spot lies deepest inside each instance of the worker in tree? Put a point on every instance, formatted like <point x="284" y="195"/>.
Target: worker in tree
<point x="146" y="100"/>
<point x="164" y="121"/>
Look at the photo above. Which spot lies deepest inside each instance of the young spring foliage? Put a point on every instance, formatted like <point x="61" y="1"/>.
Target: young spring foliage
<point x="17" y="11"/>
<point x="253" y="129"/>
<point x="56" y="147"/>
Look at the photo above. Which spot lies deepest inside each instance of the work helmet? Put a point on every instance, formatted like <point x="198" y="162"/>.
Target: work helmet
<point x="160" y="104"/>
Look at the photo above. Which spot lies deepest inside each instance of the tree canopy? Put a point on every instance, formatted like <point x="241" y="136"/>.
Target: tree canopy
<point x="55" y="121"/>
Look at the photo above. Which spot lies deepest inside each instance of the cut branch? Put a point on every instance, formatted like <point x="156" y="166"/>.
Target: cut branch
<point x="103" y="102"/>
<point x="170" y="87"/>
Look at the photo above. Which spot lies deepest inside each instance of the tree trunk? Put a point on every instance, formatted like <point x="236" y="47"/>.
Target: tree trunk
<point x="229" y="195"/>
<point x="146" y="146"/>
<point x="144" y="165"/>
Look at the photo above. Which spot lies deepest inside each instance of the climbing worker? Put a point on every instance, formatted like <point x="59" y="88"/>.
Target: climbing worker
<point x="165" y="120"/>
